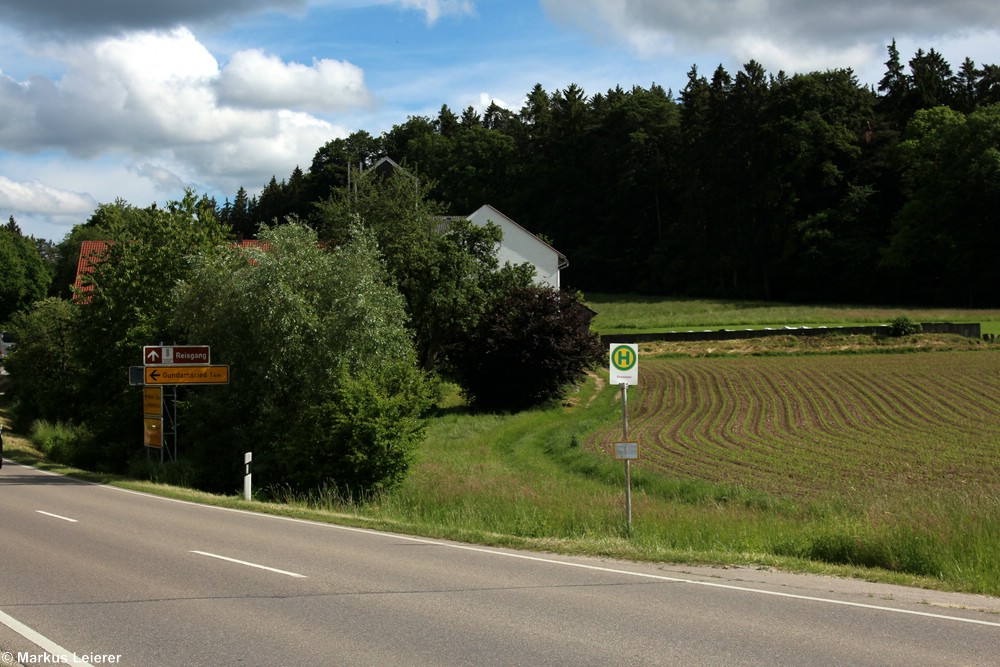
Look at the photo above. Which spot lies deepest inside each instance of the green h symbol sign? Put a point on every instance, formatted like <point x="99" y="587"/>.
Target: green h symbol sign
<point x="623" y="358"/>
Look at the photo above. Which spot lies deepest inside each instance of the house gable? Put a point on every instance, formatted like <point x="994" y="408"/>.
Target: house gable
<point x="519" y="246"/>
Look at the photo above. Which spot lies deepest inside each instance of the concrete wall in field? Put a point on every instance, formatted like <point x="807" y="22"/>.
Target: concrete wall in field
<point x="968" y="330"/>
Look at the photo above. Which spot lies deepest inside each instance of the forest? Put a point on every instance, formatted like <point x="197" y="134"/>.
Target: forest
<point x="807" y="187"/>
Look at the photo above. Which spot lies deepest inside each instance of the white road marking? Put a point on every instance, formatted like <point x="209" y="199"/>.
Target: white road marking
<point x="731" y="587"/>
<point x="243" y="562"/>
<point x="56" y="516"/>
<point x="62" y="656"/>
<point x="694" y="582"/>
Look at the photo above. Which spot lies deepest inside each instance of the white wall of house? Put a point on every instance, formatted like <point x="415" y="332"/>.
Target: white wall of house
<point x="520" y="246"/>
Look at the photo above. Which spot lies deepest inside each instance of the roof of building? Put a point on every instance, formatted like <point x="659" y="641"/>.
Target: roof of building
<point x="92" y="252"/>
<point x="563" y="261"/>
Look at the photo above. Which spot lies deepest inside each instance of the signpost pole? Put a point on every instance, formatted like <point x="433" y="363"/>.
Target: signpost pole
<point x="624" y="369"/>
<point x="172" y="394"/>
<point x="628" y="462"/>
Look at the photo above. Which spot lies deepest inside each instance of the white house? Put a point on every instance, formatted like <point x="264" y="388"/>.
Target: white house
<point x="519" y="246"/>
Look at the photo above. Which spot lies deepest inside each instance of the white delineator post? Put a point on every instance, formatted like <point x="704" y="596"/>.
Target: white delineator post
<point x="247" y="457"/>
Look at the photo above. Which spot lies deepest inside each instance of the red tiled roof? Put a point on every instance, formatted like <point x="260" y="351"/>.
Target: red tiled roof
<point x="92" y="252"/>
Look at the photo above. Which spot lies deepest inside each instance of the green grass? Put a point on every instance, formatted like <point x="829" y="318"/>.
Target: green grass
<point x="536" y="480"/>
<point x="530" y="480"/>
<point x="629" y="313"/>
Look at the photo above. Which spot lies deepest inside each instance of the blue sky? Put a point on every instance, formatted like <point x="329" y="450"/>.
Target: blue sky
<point x="139" y="100"/>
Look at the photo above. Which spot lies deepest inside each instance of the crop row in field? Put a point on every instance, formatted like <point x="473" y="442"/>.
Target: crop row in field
<point x="820" y="426"/>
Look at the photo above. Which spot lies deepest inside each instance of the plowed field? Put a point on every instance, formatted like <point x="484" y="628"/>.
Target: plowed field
<point x="812" y="426"/>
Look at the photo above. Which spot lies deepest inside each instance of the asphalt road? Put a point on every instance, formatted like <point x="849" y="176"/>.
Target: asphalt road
<point x="105" y="576"/>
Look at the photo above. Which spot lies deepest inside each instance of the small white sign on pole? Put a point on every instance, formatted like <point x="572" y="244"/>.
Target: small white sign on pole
<point x="624" y="364"/>
<point x="626" y="451"/>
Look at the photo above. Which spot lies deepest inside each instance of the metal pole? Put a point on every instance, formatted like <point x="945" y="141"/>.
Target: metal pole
<point x="624" y="410"/>
<point x="628" y="466"/>
<point x="628" y="493"/>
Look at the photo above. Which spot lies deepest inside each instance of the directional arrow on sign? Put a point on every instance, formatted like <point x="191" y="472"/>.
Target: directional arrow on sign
<point x="183" y="374"/>
<point x="177" y="355"/>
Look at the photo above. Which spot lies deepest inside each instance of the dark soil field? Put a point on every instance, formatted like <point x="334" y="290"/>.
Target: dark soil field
<point x="821" y="425"/>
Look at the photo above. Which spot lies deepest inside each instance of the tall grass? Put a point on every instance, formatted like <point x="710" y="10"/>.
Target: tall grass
<point x="523" y="481"/>
<point x="55" y="439"/>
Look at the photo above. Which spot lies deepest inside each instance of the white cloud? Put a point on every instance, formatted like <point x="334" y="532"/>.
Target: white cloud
<point x="794" y="35"/>
<point x="131" y="93"/>
<point x="251" y="158"/>
<point x="161" y="98"/>
<point x="485" y="100"/>
<point x="38" y="198"/>
<point x="65" y="18"/>
<point x="435" y="9"/>
<point x="254" y="79"/>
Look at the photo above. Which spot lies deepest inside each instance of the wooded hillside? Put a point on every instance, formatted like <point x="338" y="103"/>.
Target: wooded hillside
<point x="808" y="187"/>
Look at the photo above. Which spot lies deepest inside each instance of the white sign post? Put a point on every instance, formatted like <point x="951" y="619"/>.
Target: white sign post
<point x="623" y="369"/>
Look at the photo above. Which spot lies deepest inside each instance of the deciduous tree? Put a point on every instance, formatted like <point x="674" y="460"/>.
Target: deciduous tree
<point x="130" y="306"/>
<point x="528" y="348"/>
<point x="324" y="386"/>
<point x="45" y="368"/>
<point x="24" y="274"/>
<point x="441" y="266"/>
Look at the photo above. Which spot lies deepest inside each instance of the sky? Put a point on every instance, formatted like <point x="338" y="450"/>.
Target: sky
<point x="118" y="99"/>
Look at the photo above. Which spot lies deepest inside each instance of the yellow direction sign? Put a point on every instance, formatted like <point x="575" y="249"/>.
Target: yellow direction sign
<point x="152" y="432"/>
<point x="152" y="401"/>
<point x="186" y="375"/>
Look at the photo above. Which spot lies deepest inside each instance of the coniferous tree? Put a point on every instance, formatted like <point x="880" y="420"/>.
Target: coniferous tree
<point x="933" y="80"/>
<point x="895" y="88"/>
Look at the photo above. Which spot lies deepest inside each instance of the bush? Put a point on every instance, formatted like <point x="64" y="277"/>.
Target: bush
<point x="174" y="473"/>
<point x="59" y="441"/>
<point x="325" y="389"/>
<point x="528" y="347"/>
<point x="902" y="326"/>
<point x="362" y="439"/>
<point x="43" y="368"/>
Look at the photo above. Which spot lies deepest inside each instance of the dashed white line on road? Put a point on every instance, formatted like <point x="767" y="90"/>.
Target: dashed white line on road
<point x="256" y="565"/>
<point x="57" y="516"/>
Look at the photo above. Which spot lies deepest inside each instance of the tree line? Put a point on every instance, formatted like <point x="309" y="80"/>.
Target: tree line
<point x="805" y="187"/>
